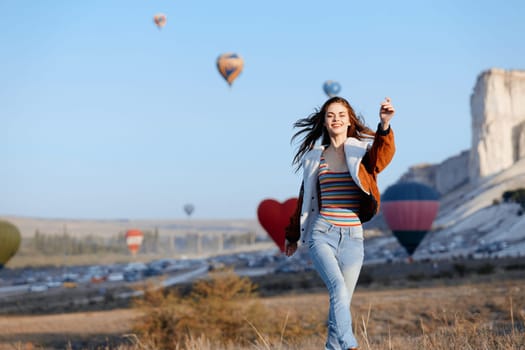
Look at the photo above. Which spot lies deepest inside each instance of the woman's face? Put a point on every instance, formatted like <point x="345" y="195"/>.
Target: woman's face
<point x="336" y="119"/>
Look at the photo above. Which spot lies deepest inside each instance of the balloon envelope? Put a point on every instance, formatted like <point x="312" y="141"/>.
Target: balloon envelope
<point x="409" y="209"/>
<point x="274" y="217"/>
<point x="189" y="208"/>
<point x="134" y="240"/>
<point x="160" y="20"/>
<point x="331" y="88"/>
<point x="9" y="241"/>
<point x="230" y="65"/>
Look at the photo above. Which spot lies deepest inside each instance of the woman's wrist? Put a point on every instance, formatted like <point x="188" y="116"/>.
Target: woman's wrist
<point x="381" y="130"/>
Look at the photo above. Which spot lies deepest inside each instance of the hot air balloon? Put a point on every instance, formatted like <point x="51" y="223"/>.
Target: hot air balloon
<point x="230" y="66"/>
<point x="274" y="217"/>
<point x="331" y="88"/>
<point x="160" y="20"/>
<point x="409" y="209"/>
<point x="134" y="240"/>
<point x="189" y="208"/>
<point x="9" y="241"/>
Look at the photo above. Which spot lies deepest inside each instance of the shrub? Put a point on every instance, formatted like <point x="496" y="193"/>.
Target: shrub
<point x="223" y="308"/>
<point x="516" y="196"/>
<point x="485" y="269"/>
<point x="461" y="269"/>
<point x="416" y="277"/>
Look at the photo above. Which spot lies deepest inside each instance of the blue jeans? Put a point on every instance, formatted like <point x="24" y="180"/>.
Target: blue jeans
<point x="337" y="255"/>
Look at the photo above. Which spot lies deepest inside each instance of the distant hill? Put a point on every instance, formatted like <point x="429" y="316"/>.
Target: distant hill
<point x="109" y="227"/>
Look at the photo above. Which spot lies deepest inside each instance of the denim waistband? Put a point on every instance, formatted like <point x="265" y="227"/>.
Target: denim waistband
<point x="321" y="224"/>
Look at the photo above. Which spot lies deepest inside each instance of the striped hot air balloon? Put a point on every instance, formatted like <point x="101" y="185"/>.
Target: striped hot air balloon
<point x="409" y="209"/>
<point x="134" y="240"/>
<point x="9" y="241"/>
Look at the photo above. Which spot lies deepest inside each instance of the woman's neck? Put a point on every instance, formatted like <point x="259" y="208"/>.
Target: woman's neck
<point x="337" y="143"/>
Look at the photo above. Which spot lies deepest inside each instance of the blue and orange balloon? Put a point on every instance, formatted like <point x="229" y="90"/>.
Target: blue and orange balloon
<point x="409" y="209"/>
<point x="230" y="65"/>
<point x="160" y="20"/>
<point x="331" y="88"/>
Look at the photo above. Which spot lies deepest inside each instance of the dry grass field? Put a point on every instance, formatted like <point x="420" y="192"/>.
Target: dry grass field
<point x="483" y="315"/>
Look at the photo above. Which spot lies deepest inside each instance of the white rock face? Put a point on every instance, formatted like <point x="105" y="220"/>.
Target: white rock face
<point x="498" y="122"/>
<point x="445" y="176"/>
<point x="424" y="173"/>
<point x="452" y="172"/>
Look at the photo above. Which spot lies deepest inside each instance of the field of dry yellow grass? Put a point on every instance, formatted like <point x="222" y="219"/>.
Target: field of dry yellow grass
<point x="485" y="315"/>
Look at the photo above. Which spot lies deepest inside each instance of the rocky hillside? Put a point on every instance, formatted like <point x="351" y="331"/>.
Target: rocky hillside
<point x="474" y="220"/>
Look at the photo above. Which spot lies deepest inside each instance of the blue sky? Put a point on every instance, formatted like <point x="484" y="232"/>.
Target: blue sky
<point x="106" y="116"/>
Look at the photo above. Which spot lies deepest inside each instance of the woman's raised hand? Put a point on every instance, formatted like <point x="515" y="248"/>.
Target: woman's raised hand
<point x="386" y="112"/>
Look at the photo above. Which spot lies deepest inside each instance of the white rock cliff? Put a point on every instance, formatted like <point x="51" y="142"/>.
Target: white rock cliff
<point x="498" y="122"/>
<point x="498" y="134"/>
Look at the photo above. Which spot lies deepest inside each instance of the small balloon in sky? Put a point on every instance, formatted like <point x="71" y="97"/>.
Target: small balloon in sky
<point x="189" y="208"/>
<point x="160" y="20"/>
<point x="331" y="88"/>
<point x="230" y="65"/>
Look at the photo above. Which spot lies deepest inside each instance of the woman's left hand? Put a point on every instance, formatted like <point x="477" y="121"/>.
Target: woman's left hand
<point x="290" y="248"/>
<point x="386" y="113"/>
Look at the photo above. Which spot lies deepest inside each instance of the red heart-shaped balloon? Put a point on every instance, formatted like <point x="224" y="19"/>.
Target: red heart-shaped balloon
<point x="274" y="217"/>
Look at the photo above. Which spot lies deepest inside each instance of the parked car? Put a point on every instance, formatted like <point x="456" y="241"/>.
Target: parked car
<point x="132" y="276"/>
<point x="115" y="277"/>
<point x="38" y="287"/>
<point x="69" y="283"/>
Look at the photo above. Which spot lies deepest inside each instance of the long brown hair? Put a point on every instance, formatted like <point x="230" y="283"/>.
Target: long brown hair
<point x="312" y="127"/>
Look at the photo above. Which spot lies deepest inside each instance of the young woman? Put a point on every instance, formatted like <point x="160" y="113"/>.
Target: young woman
<point x="339" y="192"/>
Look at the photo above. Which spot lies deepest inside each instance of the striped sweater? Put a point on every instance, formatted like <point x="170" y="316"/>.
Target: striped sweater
<point x="339" y="196"/>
